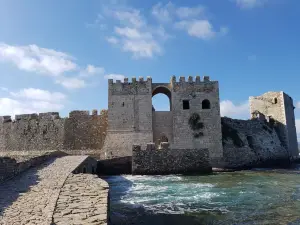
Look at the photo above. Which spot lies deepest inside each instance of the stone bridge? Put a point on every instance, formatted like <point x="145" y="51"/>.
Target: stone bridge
<point x="57" y="191"/>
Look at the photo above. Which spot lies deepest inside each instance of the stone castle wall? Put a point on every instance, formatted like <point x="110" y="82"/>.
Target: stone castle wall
<point x="196" y="93"/>
<point x="132" y="120"/>
<point x="162" y="126"/>
<point x="279" y="107"/>
<point x="47" y="131"/>
<point x="169" y="161"/>
<point x="249" y="143"/>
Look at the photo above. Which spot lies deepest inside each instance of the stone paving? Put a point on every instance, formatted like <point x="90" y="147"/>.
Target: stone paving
<point x="31" y="197"/>
<point x="83" y="200"/>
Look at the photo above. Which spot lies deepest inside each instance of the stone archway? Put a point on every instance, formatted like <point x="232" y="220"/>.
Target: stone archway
<point x="165" y="91"/>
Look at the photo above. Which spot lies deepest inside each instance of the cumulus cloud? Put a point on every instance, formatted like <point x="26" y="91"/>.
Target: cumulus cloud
<point x="35" y="59"/>
<point x="32" y="58"/>
<point x="202" y="29"/>
<point x="193" y="20"/>
<point x="71" y="82"/>
<point x="188" y="12"/>
<point x="164" y="13"/>
<point x="31" y="100"/>
<point x="249" y="4"/>
<point x="132" y="33"/>
<point x="9" y="106"/>
<point x="238" y="111"/>
<point x="112" y="40"/>
<point x="130" y="17"/>
<point x="38" y="94"/>
<point x="114" y="76"/>
<point x="91" y="70"/>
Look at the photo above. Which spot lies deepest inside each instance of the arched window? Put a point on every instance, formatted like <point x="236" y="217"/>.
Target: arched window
<point x="205" y="104"/>
<point x="275" y="100"/>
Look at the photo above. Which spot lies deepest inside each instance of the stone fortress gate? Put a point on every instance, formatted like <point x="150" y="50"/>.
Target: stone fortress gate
<point x="193" y="122"/>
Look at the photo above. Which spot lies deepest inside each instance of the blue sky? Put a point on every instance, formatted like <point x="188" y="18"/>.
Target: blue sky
<point x="57" y="55"/>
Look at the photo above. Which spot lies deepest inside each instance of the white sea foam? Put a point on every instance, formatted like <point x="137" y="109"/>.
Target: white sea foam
<point x="163" y="194"/>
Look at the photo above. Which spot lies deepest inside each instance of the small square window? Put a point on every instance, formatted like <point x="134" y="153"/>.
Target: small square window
<point x="186" y="104"/>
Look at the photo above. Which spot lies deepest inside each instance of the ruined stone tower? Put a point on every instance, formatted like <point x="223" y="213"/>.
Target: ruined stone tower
<point x="278" y="106"/>
<point x="133" y="120"/>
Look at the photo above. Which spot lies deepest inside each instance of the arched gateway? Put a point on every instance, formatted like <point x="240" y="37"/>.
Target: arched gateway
<point x="133" y="120"/>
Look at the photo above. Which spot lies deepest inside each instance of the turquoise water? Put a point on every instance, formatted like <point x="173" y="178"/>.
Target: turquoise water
<point x="244" y="197"/>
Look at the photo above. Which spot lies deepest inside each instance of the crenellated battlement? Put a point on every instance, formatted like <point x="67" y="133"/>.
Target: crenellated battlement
<point x="190" y="79"/>
<point x="133" y="86"/>
<point x="132" y="81"/>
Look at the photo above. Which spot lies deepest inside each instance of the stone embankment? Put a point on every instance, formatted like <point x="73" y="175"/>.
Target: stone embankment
<point x="33" y="197"/>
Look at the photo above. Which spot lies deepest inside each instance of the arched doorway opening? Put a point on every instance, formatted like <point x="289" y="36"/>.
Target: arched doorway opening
<point x="162" y="120"/>
<point x="161" y="99"/>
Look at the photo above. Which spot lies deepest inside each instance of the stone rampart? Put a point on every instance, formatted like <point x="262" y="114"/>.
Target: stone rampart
<point x="47" y="131"/>
<point x="169" y="161"/>
<point x="250" y="143"/>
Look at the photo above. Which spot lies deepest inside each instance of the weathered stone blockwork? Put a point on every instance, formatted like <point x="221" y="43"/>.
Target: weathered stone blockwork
<point x="47" y="131"/>
<point x="167" y="161"/>
<point x="278" y="106"/>
<point x="250" y="143"/>
<point x="14" y="165"/>
<point x="132" y="119"/>
<point x="52" y="194"/>
<point x="83" y="200"/>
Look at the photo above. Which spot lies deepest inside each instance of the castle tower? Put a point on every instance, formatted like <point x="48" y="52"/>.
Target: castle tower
<point x="193" y="121"/>
<point x="279" y="107"/>
<point x="129" y="116"/>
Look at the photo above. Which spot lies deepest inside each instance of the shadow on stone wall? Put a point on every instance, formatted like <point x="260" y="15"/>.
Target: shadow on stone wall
<point x="115" y="166"/>
<point x="10" y="192"/>
<point x="253" y="143"/>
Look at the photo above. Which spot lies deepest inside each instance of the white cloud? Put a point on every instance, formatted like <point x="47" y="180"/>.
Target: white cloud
<point x="112" y="40"/>
<point x="297" y="121"/>
<point x="134" y="34"/>
<point x="240" y="111"/>
<point x="114" y="76"/>
<point x="297" y="105"/>
<point x="142" y="48"/>
<point x="129" y="17"/>
<point x="94" y="70"/>
<point x="38" y="94"/>
<point x="91" y="70"/>
<point x="202" y="29"/>
<point x="9" y="106"/>
<point x="168" y="12"/>
<point x="71" y="82"/>
<point x="163" y="13"/>
<point x="190" y="12"/>
<point x="249" y="4"/>
<point x="31" y="100"/>
<point x="35" y="59"/>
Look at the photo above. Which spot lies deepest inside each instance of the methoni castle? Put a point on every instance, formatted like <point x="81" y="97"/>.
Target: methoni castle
<point x="191" y="137"/>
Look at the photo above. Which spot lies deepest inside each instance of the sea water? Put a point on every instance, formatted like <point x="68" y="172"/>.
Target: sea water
<point x="243" y="197"/>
